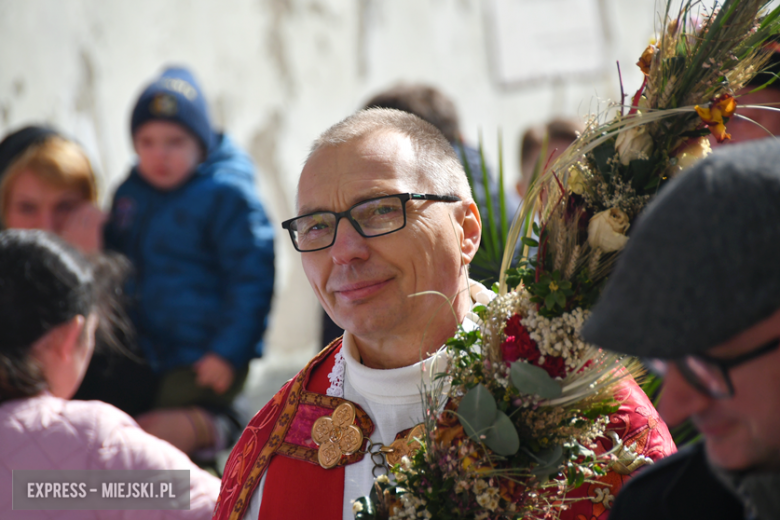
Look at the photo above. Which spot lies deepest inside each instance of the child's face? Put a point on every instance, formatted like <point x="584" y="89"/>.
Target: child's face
<point x="167" y="154"/>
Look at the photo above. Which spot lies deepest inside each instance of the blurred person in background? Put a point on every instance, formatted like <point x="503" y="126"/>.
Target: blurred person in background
<point x="432" y="105"/>
<point x="189" y="220"/>
<point x="764" y="122"/>
<point x="52" y="302"/>
<point x="559" y="132"/>
<point x="47" y="183"/>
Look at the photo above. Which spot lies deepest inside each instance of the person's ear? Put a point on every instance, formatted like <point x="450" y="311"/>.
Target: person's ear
<point x="520" y="188"/>
<point x="472" y="232"/>
<point x="59" y="344"/>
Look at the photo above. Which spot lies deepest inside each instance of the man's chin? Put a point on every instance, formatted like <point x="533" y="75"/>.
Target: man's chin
<point x="728" y="456"/>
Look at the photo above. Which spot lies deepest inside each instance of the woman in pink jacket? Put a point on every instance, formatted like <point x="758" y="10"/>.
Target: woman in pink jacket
<point x="50" y="306"/>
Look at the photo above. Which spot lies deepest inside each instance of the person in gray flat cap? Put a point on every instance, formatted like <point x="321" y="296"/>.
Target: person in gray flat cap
<point x="697" y="293"/>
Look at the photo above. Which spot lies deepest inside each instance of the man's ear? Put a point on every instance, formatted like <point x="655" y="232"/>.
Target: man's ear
<point x="472" y="232"/>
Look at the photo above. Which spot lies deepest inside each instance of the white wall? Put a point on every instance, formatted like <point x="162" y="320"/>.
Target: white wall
<point x="277" y="73"/>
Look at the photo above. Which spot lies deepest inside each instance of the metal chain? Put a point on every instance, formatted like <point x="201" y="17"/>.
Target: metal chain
<point x="378" y="457"/>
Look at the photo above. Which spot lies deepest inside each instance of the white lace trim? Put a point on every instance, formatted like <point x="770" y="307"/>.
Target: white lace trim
<point x="336" y="377"/>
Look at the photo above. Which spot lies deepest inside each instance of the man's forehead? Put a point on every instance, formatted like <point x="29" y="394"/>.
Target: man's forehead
<point x="365" y="167"/>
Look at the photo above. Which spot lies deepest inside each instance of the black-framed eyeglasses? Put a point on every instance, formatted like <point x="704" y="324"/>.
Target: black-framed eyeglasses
<point x="708" y="374"/>
<point x="371" y="218"/>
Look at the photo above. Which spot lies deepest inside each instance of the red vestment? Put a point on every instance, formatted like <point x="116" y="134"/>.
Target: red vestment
<point x="278" y="441"/>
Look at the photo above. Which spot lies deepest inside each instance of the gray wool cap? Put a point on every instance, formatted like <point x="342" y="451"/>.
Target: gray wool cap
<point x="702" y="262"/>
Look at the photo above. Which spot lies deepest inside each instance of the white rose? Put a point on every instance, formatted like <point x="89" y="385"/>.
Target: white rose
<point x="607" y="229"/>
<point x="688" y="155"/>
<point x="634" y="143"/>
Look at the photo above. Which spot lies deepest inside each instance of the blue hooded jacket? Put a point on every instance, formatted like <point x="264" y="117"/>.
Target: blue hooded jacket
<point x="203" y="261"/>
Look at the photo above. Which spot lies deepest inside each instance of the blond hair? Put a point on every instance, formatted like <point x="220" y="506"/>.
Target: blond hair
<point x="57" y="161"/>
<point x="436" y="161"/>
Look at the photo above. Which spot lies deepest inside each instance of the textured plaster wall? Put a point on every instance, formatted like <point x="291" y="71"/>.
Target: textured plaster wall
<point x="277" y="73"/>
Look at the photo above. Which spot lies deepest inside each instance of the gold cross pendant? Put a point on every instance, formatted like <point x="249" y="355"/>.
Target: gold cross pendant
<point x="336" y="435"/>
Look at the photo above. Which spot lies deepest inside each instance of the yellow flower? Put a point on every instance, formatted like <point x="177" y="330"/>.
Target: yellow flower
<point x="646" y="60"/>
<point x="553" y="286"/>
<point x="720" y="107"/>
<point x="606" y="230"/>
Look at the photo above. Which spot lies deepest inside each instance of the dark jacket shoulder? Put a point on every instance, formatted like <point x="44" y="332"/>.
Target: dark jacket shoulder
<point x="679" y="487"/>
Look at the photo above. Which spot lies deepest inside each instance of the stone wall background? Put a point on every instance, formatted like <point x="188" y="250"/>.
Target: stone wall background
<point x="277" y="73"/>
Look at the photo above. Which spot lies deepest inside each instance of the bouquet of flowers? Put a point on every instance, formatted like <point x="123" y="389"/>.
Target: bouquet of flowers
<point x="510" y="429"/>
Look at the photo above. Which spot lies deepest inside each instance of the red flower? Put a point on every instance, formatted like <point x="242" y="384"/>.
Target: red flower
<point x="518" y="344"/>
<point x="555" y="366"/>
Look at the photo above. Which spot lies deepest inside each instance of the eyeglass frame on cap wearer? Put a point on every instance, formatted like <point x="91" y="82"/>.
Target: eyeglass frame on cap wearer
<point x="289" y="225"/>
<point x="710" y="364"/>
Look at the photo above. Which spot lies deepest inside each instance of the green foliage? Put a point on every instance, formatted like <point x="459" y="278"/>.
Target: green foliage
<point x="477" y="411"/>
<point x="531" y="379"/>
<point x="551" y="293"/>
<point x="484" y="422"/>
<point x="502" y="436"/>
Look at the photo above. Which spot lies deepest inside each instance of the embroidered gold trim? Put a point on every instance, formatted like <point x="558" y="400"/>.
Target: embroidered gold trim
<point x="276" y="438"/>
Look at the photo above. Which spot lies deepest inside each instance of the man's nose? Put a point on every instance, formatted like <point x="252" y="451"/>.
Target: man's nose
<point x="679" y="399"/>
<point x="349" y="245"/>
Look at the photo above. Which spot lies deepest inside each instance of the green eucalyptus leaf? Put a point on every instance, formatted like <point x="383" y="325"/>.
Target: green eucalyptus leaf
<point x="552" y="461"/>
<point x="502" y="437"/>
<point x="655" y="181"/>
<point x="560" y="299"/>
<point x="529" y="242"/>
<point x="477" y="411"/>
<point x="531" y="379"/>
<point x="549" y="301"/>
<point x="603" y="153"/>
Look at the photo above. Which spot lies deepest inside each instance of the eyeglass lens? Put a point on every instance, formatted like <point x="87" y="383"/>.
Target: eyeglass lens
<point x="372" y="218"/>
<point x="703" y="375"/>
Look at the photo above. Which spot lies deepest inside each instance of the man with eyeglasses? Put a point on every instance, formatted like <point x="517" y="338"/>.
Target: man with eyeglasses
<point x="386" y="226"/>
<point x="697" y="293"/>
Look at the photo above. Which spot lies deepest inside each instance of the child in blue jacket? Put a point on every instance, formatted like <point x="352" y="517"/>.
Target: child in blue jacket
<point x="189" y="220"/>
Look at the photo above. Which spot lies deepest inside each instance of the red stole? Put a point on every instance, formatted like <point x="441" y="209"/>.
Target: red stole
<point x="296" y="486"/>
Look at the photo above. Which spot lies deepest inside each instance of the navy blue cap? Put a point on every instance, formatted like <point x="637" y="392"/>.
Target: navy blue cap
<point x="178" y="98"/>
<point x="17" y="142"/>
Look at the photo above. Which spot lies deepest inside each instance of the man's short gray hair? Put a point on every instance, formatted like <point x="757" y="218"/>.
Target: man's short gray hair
<point x="436" y="160"/>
